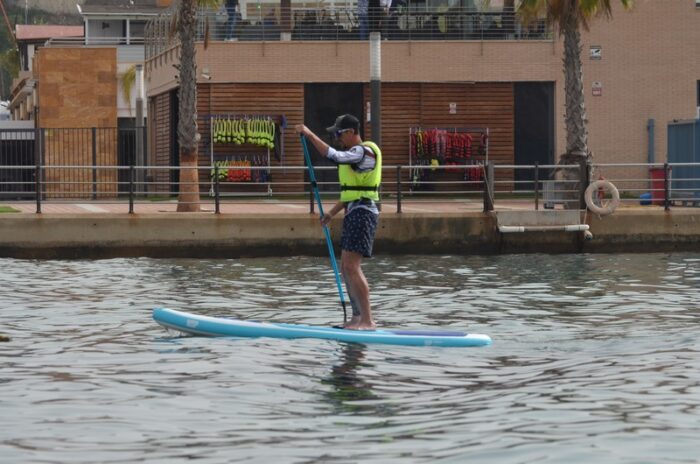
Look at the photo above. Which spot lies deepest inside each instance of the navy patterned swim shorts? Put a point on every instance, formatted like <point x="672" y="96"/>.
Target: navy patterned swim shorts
<point x="359" y="227"/>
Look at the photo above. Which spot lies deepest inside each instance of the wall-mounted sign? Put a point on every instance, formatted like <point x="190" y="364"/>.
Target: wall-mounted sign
<point x="596" y="52"/>
<point x="368" y="111"/>
<point x="597" y="88"/>
<point x="453" y="108"/>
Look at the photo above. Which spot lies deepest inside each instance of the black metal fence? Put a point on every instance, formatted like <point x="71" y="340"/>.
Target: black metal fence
<point x="69" y="161"/>
<point x="17" y="161"/>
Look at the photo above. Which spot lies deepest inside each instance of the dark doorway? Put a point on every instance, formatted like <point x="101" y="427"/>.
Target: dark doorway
<point x="17" y="148"/>
<point x="126" y="151"/>
<point x="322" y="104"/>
<point x="534" y="129"/>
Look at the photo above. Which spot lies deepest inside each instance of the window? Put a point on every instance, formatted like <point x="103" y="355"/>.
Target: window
<point x="136" y="28"/>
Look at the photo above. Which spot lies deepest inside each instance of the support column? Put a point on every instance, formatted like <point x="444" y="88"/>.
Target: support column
<point x="375" y="85"/>
<point x="139" y="128"/>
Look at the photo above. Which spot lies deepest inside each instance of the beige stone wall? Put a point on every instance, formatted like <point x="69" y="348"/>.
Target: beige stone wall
<point x="317" y="61"/>
<point x="649" y="68"/>
<point x="77" y="90"/>
<point x="77" y="87"/>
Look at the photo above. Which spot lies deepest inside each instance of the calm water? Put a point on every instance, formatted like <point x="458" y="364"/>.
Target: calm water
<point x="595" y="359"/>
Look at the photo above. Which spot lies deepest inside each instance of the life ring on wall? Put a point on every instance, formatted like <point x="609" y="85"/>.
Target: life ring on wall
<point x="602" y="207"/>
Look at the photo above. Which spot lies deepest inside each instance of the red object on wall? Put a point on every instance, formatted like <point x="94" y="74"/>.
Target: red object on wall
<point x="657" y="185"/>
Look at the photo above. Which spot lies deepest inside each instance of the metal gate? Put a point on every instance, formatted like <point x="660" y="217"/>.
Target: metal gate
<point x="17" y="164"/>
<point x="684" y="147"/>
<point x="86" y="163"/>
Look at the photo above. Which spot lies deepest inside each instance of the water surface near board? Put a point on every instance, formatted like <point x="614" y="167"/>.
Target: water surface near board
<point x="595" y="359"/>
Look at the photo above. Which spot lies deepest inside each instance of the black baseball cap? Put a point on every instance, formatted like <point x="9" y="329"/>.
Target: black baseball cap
<point x="346" y="121"/>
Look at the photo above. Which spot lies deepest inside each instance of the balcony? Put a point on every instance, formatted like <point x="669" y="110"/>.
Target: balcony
<point x="406" y="22"/>
<point x="128" y="49"/>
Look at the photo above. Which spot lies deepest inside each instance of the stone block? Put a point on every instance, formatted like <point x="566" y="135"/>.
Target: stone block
<point x="106" y="100"/>
<point x="106" y="77"/>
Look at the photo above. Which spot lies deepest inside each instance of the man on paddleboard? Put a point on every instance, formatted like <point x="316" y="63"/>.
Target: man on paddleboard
<point x="360" y="173"/>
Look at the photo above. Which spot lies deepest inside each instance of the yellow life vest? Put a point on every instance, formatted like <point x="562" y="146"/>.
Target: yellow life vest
<point x="355" y="185"/>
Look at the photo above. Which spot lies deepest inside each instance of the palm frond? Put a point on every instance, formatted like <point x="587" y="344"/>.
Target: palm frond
<point x="128" y="80"/>
<point x="564" y="13"/>
<point x="209" y="3"/>
<point x="174" y="24"/>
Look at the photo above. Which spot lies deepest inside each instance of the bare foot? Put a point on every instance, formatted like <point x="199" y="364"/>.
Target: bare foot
<point x="360" y="325"/>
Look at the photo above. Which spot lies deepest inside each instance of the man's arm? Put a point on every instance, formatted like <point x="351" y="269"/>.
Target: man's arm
<point x="334" y="210"/>
<point x="322" y="147"/>
<point x="351" y="156"/>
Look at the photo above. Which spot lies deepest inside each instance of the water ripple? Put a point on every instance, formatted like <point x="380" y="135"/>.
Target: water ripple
<point x="594" y="358"/>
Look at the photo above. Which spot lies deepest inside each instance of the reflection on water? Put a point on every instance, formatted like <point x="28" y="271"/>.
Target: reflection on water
<point x="349" y="387"/>
<point x="595" y="358"/>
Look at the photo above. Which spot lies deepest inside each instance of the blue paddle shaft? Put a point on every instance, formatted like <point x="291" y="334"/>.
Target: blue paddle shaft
<point x="329" y="242"/>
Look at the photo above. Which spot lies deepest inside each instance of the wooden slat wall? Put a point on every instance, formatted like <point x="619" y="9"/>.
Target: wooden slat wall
<point x="160" y="137"/>
<point x="404" y="105"/>
<point x="481" y="104"/>
<point x="400" y="110"/>
<point x="427" y="105"/>
<point x="267" y="99"/>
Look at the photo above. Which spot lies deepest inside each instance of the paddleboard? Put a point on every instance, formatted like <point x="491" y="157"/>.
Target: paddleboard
<point x="195" y="324"/>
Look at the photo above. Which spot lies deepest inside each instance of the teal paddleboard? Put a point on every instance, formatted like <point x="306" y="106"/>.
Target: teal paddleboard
<point x="195" y="324"/>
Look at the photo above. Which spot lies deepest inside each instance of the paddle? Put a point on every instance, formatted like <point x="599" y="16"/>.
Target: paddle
<point x="329" y="242"/>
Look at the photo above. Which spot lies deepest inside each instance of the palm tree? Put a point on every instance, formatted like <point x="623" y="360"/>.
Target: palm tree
<point x="570" y="16"/>
<point x="185" y="24"/>
<point x="128" y="80"/>
<point x="9" y="63"/>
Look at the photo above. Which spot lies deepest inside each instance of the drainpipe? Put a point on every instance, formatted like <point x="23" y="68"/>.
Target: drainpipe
<point x="375" y="85"/>
<point x="650" y="142"/>
<point x="139" y="128"/>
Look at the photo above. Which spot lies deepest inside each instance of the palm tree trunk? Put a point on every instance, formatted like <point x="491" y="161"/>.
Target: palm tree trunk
<point x="576" y="131"/>
<point x="188" y="136"/>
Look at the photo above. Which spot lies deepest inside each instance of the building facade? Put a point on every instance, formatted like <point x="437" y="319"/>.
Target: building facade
<point x="72" y="88"/>
<point x="642" y="65"/>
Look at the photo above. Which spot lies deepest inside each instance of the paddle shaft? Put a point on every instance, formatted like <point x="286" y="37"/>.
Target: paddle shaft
<point x="329" y="242"/>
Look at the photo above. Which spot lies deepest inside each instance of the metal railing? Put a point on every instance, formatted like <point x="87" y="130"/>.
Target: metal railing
<point x="653" y="183"/>
<point x="484" y="186"/>
<point x="72" y="159"/>
<point x="146" y="184"/>
<point x="93" y="41"/>
<point x="408" y="21"/>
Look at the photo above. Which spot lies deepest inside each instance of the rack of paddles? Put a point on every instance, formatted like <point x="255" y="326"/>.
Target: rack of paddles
<point x="241" y="150"/>
<point x="448" y="159"/>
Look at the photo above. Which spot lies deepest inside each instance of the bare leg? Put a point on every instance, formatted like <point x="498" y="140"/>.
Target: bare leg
<point x="355" y="319"/>
<point x="358" y="289"/>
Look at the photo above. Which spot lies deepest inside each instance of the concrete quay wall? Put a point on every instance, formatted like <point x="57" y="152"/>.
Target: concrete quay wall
<point x="94" y="236"/>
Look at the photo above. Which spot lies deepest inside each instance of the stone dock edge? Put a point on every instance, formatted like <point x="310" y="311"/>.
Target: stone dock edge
<point x="199" y="235"/>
